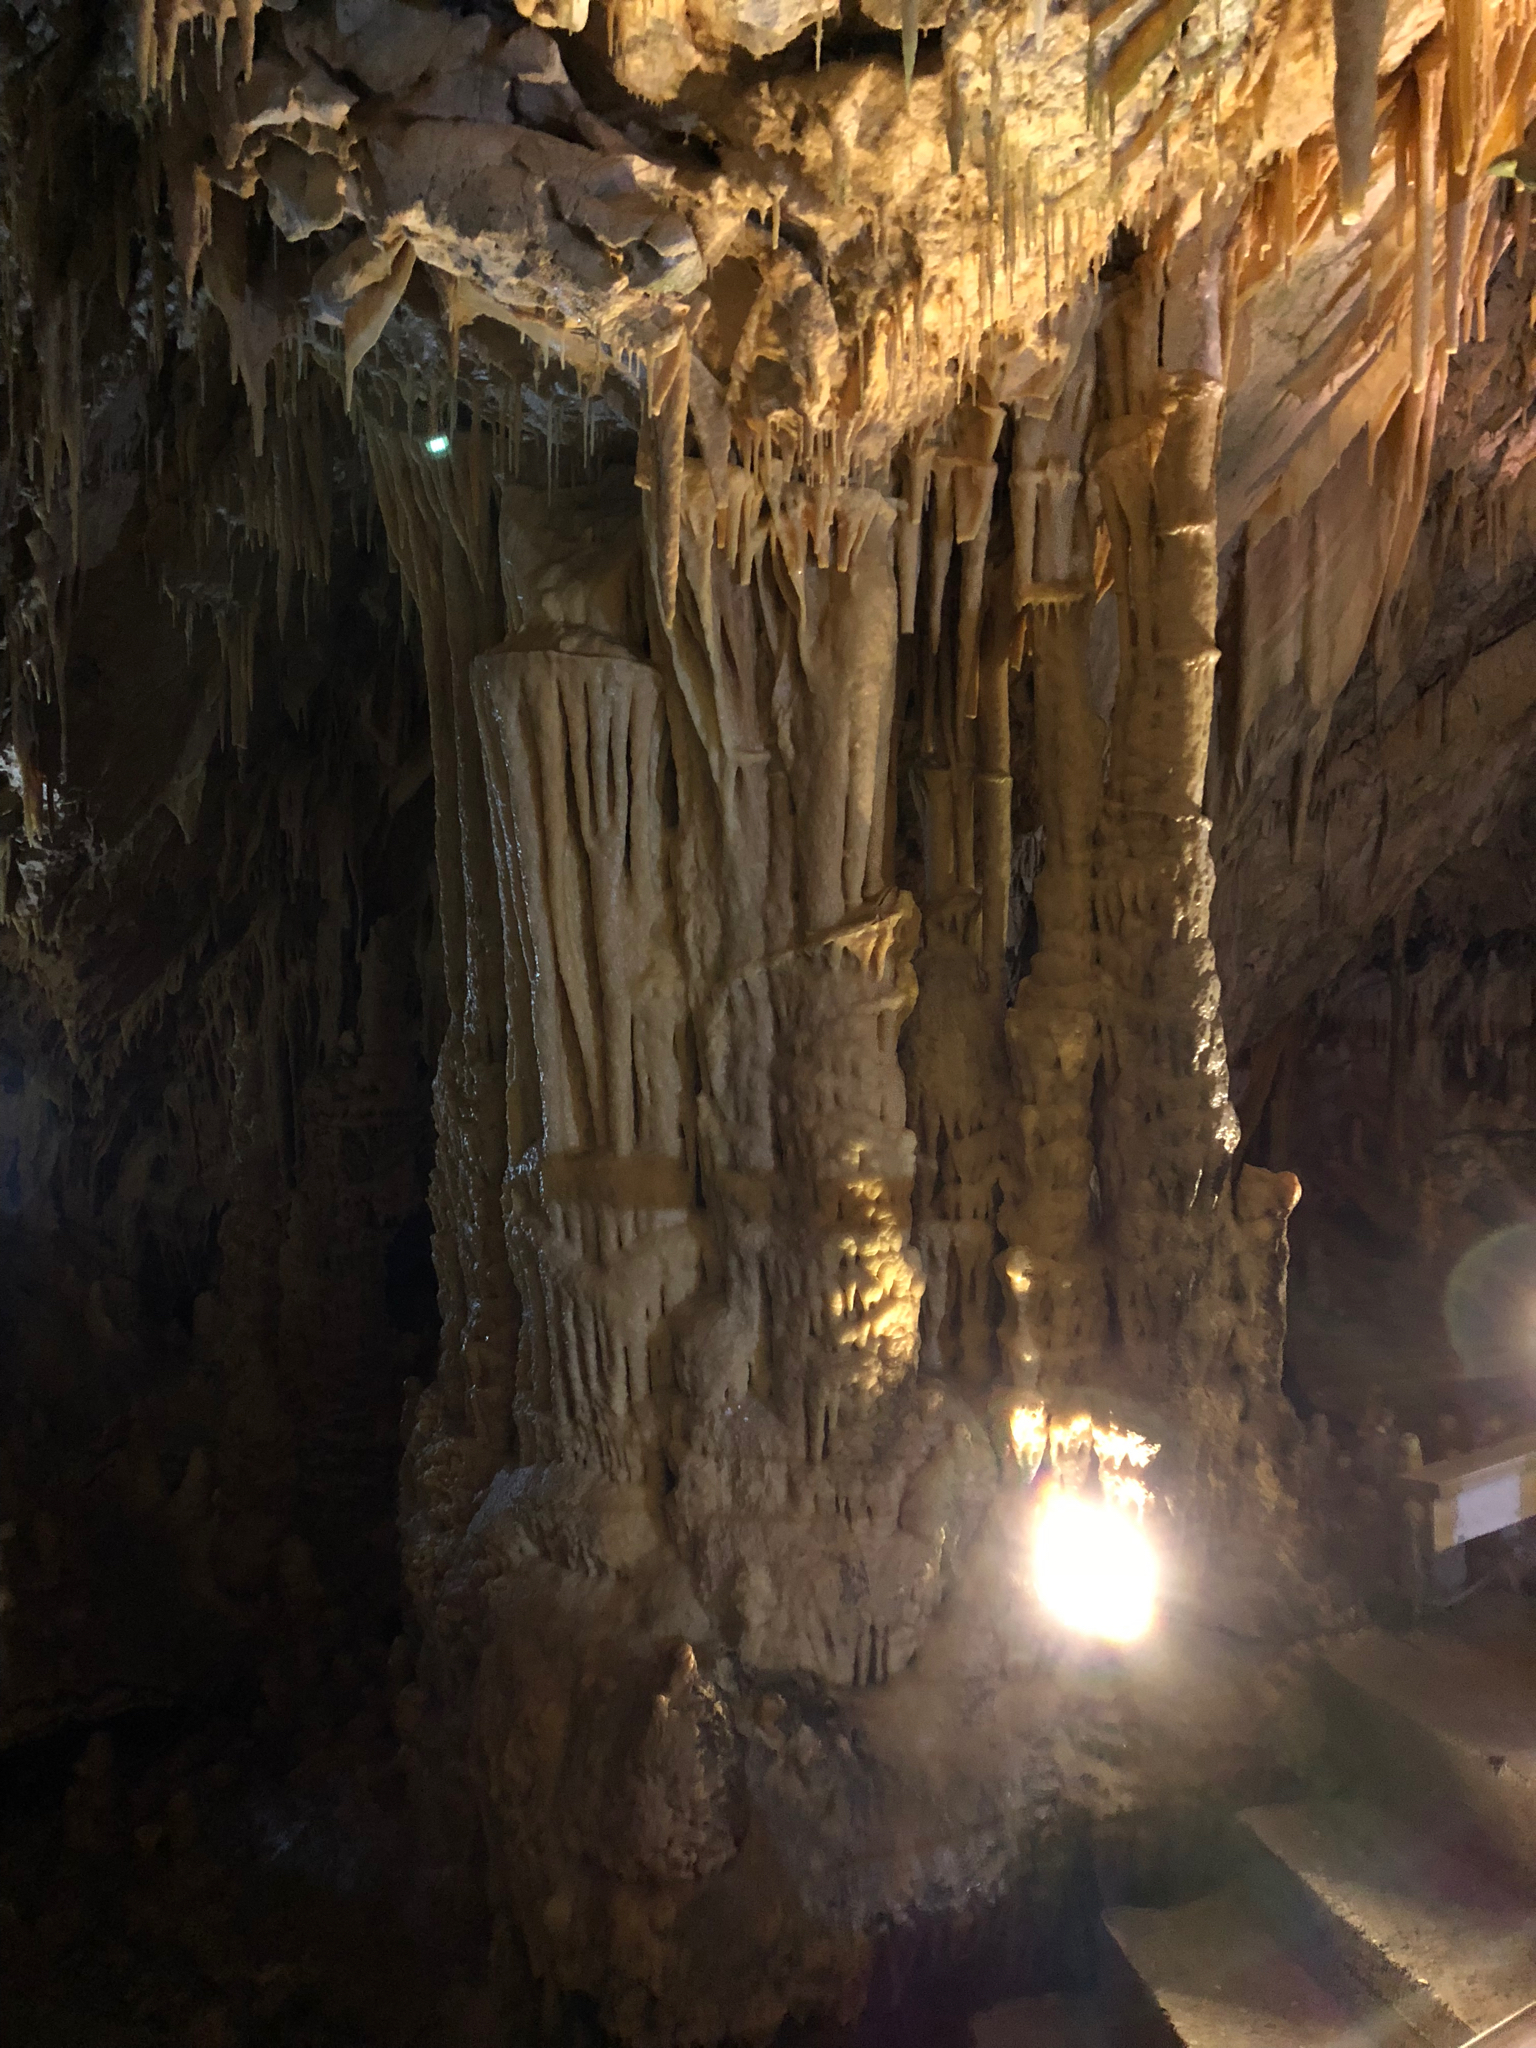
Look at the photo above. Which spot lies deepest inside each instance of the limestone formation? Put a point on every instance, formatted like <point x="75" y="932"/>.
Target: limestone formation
<point x="949" y="572"/>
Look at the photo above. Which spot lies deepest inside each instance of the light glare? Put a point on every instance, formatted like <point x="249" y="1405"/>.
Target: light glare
<point x="437" y="444"/>
<point x="1095" y="1570"/>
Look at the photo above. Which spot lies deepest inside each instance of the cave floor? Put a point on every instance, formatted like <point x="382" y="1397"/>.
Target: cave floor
<point x="236" y="1873"/>
<point x="208" y="1878"/>
<point x="239" y="1873"/>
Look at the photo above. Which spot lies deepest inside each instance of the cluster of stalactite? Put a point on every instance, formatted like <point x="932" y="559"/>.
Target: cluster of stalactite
<point x="690" y="298"/>
<point x="790" y="368"/>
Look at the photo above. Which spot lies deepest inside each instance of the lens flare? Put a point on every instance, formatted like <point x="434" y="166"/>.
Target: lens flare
<point x="1490" y="1305"/>
<point x="1095" y="1569"/>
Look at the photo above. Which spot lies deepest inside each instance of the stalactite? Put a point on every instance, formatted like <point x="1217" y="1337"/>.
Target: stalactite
<point x="1466" y="88"/>
<point x="941" y="542"/>
<point x="668" y="393"/>
<point x="994" y="785"/>
<point x="1491" y="243"/>
<point x="1144" y="44"/>
<point x="144" y="47"/>
<point x="246" y="12"/>
<point x="1430" y="75"/>
<point x="367" y="314"/>
<point x="1357" y="33"/>
<point x="1457" y="218"/>
<point x="973" y="480"/>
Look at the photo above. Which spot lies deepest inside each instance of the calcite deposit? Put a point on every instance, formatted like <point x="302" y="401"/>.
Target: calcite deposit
<point x="746" y="648"/>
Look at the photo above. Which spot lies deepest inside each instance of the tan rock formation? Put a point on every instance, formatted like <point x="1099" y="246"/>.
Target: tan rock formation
<point x="920" y="531"/>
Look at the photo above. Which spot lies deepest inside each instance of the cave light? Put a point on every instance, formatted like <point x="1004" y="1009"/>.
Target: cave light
<point x="1031" y="1438"/>
<point x="436" y="444"/>
<point x="1094" y="1566"/>
<point x="1095" y="1570"/>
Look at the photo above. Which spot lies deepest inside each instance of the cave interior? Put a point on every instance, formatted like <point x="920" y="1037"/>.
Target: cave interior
<point x="767" y="800"/>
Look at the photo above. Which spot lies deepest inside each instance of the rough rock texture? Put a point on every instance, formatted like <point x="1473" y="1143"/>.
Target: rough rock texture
<point x="951" y="567"/>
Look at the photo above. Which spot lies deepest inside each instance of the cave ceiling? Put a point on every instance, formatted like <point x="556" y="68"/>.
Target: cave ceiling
<point x="814" y="253"/>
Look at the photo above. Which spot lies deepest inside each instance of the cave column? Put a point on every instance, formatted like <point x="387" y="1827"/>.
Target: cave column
<point x="956" y="1103"/>
<point x="795" y="1369"/>
<point x="1169" y="1130"/>
<point x="564" y="1188"/>
<point x="1056" y="1325"/>
<point x="599" y="1209"/>
<point x="1168" y="1125"/>
<point x="782" y="657"/>
<point x="439" y="520"/>
<point x="1195" y="1265"/>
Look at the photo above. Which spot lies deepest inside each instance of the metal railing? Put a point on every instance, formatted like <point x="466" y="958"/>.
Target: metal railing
<point x="1518" y="2031"/>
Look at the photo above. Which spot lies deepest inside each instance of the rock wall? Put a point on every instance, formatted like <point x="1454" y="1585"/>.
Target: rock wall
<point x="215" y="1132"/>
<point x="1417" y="1159"/>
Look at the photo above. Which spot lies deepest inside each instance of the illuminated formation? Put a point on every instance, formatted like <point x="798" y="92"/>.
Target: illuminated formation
<point x="878" y="513"/>
<point x="1093" y="1563"/>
